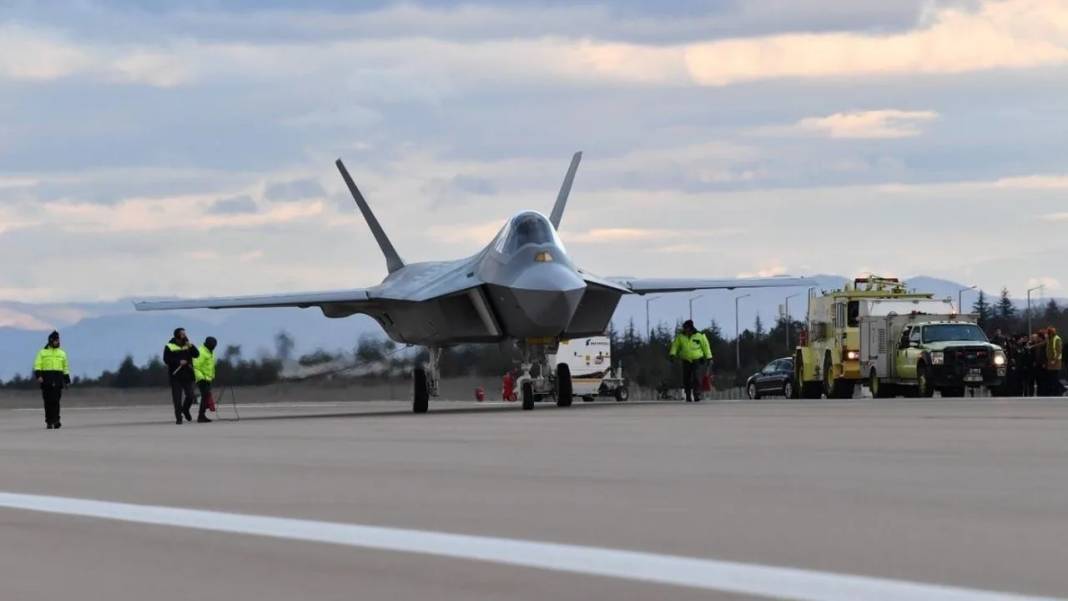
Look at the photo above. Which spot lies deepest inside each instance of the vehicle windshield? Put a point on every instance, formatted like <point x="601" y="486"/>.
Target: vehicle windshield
<point x="953" y="332"/>
<point x="526" y="228"/>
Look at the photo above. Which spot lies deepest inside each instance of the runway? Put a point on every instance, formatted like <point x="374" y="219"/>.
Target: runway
<point x="964" y="493"/>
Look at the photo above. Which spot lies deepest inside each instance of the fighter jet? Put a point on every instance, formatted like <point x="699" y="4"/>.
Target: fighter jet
<point x="522" y="288"/>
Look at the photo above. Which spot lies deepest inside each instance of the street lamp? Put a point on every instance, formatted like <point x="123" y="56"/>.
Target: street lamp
<point x="788" y="320"/>
<point x="1029" y="291"/>
<point x="737" y="334"/>
<point x="693" y="298"/>
<point x="648" y="330"/>
<point x="960" y="298"/>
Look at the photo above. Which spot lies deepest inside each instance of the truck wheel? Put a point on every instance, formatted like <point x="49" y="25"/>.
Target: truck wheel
<point x="879" y="389"/>
<point x="828" y="377"/>
<point x="833" y="387"/>
<point x="806" y="390"/>
<point x="923" y="382"/>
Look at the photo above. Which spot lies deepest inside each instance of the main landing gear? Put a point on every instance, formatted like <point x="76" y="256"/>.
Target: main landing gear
<point x="425" y="381"/>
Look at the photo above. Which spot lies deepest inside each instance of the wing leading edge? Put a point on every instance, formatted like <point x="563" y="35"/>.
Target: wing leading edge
<point x="653" y="285"/>
<point x="303" y="300"/>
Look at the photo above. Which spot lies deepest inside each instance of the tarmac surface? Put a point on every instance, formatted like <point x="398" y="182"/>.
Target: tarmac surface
<point x="968" y="493"/>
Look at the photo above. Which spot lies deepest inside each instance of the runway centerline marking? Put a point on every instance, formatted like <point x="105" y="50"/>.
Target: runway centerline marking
<point x="709" y="574"/>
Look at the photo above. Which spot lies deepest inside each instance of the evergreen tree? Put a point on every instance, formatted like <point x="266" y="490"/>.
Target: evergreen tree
<point x="1006" y="310"/>
<point x="1052" y="314"/>
<point x="982" y="310"/>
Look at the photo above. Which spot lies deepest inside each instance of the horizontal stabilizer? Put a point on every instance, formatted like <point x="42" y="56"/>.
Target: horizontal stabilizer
<point x="393" y="260"/>
<point x="652" y="285"/>
<point x="565" y="190"/>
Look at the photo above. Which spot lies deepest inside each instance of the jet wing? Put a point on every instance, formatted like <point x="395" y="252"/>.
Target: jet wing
<point x="349" y="298"/>
<point x="651" y="285"/>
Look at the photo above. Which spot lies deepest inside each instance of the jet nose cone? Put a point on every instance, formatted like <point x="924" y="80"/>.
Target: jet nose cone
<point x="543" y="299"/>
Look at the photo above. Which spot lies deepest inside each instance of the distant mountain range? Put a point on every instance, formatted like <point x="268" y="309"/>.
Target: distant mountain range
<point x="99" y="335"/>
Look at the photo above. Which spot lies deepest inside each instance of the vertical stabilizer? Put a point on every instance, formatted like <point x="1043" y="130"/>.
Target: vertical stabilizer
<point x="565" y="190"/>
<point x="393" y="260"/>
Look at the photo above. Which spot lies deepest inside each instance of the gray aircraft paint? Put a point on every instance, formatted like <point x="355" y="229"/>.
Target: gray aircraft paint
<point x="522" y="285"/>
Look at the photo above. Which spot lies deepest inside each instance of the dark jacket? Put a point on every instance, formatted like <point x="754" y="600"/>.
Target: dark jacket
<point x="174" y="353"/>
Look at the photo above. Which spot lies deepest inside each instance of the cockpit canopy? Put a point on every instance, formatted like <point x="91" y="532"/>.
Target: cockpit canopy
<point x="528" y="227"/>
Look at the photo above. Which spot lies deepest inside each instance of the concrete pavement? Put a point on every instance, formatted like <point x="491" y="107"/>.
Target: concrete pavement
<point x="964" y="492"/>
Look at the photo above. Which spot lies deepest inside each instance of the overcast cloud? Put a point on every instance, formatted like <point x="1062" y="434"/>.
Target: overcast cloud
<point x="720" y="138"/>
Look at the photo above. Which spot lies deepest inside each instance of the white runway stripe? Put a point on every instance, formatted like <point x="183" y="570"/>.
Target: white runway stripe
<point x="751" y="579"/>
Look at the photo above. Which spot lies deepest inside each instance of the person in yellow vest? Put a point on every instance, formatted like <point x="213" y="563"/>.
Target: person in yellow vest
<point x="204" y="371"/>
<point x="53" y="374"/>
<point x="1054" y="362"/>
<point x="691" y="347"/>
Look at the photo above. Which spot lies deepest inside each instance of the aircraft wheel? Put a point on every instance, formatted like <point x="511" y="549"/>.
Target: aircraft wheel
<point x="421" y="392"/>
<point x="622" y="394"/>
<point x="954" y="392"/>
<point x="563" y="385"/>
<point x="528" y="396"/>
<point x="587" y="399"/>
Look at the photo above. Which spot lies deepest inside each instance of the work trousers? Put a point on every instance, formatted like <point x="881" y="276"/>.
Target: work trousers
<point x="205" y="391"/>
<point x="51" y="396"/>
<point x="178" y="388"/>
<point x="691" y="385"/>
<point x="1053" y="383"/>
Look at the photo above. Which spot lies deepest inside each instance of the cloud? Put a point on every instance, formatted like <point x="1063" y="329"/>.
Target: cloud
<point x="633" y="234"/>
<point x="297" y="189"/>
<point x="1049" y="283"/>
<point x="879" y="124"/>
<point x="234" y="205"/>
<point x="29" y="54"/>
<point x="1012" y="34"/>
<point x="1004" y="34"/>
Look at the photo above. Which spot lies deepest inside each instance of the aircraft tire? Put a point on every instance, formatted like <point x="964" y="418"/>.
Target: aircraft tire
<point x="564" y="390"/>
<point x="528" y="396"/>
<point x="421" y="391"/>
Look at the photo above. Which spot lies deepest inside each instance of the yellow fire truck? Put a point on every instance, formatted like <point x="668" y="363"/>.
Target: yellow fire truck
<point x="827" y="360"/>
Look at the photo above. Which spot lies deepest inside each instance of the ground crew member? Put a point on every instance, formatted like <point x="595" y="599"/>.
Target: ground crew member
<point x="178" y="355"/>
<point x="53" y="374"/>
<point x="1038" y="351"/>
<point x="691" y="347"/>
<point x="204" y="371"/>
<point x="1054" y="360"/>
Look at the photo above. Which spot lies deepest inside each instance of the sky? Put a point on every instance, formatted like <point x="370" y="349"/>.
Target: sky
<point x="186" y="148"/>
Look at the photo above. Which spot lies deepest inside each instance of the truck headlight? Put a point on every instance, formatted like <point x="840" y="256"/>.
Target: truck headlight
<point x="938" y="358"/>
<point x="999" y="358"/>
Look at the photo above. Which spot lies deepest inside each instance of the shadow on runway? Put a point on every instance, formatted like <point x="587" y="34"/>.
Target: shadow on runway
<point x="403" y="411"/>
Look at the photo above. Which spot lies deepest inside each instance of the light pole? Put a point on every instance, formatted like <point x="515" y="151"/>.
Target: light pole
<point x="1029" y="291"/>
<point x="648" y="330"/>
<point x="737" y="335"/>
<point x="693" y="298"/>
<point x="960" y="298"/>
<point x="788" y="321"/>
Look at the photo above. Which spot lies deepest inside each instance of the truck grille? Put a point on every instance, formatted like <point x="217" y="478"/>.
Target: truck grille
<point x="963" y="358"/>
